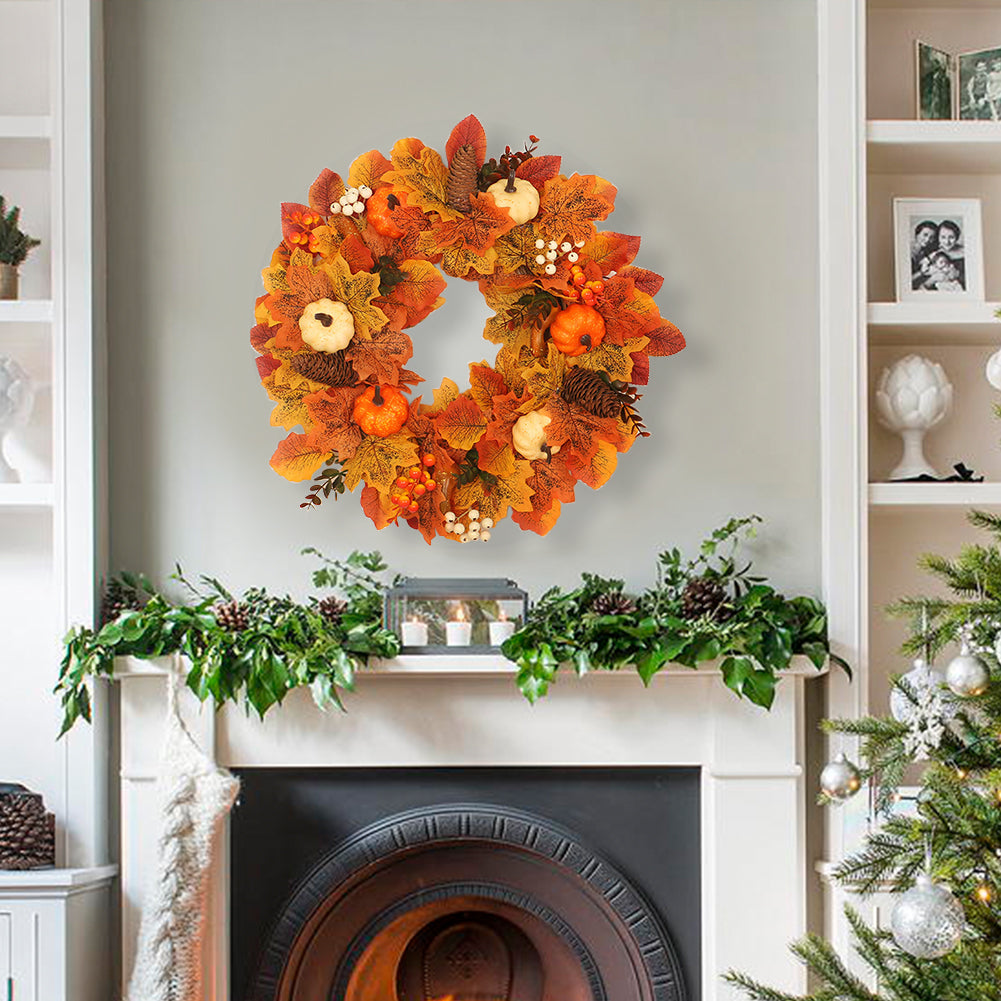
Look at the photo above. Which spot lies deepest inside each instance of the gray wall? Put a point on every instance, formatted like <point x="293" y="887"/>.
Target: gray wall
<point x="701" y="112"/>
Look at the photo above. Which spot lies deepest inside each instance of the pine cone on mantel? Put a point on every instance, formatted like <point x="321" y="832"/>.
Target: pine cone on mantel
<point x="27" y="832"/>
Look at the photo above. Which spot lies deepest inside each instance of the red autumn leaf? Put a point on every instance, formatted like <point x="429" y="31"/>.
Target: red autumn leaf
<point x="539" y="169"/>
<point x="288" y="336"/>
<point x="266" y="364"/>
<point x="381" y="358"/>
<point x="477" y="229"/>
<point x="461" y="423"/>
<point x="327" y="188"/>
<point x="306" y="284"/>
<point x="260" y="335"/>
<point x="298" y="457"/>
<point x="358" y="256"/>
<point x="645" y="280"/>
<point x="611" y="251"/>
<point x="485" y="384"/>
<point x="469" y="132"/>
<point x="667" y="339"/>
<point x="427" y="520"/>
<point x="415" y="297"/>
<point x="570" y="205"/>
<point x="334" y="428"/>
<point x="640" y="374"/>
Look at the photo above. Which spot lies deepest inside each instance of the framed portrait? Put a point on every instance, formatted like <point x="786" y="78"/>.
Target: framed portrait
<point x="935" y="93"/>
<point x="939" y="249"/>
<point x="979" y="94"/>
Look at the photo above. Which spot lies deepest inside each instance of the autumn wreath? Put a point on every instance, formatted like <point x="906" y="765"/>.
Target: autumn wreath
<point x="575" y="321"/>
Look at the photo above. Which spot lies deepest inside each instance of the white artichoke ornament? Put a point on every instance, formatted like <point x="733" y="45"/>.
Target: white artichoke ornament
<point x="913" y="396"/>
<point x="17" y="397"/>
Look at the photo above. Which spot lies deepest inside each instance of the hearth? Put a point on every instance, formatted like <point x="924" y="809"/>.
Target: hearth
<point x="468" y="884"/>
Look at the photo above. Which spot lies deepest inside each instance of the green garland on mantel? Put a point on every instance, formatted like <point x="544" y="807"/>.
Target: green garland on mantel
<point x="257" y="648"/>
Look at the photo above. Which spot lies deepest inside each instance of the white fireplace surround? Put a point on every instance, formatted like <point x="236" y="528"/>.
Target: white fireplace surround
<point x="422" y="712"/>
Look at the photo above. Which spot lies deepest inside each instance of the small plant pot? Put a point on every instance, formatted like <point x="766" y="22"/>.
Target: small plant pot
<point x="8" y="281"/>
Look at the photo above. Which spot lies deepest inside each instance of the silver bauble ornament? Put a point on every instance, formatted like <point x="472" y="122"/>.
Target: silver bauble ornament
<point x="840" y="779"/>
<point x="919" y="677"/>
<point x="927" y="921"/>
<point x="967" y="675"/>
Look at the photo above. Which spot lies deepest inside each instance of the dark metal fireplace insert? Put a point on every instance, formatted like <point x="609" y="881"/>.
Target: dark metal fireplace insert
<point x="467" y="901"/>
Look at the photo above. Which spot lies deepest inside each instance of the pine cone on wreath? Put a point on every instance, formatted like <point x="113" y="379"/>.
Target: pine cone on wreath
<point x="704" y="597"/>
<point x="332" y="609"/>
<point x="232" y="616"/>
<point x="613" y="603"/>
<point x="590" y="391"/>
<point x="118" y="597"/>
<point x="331" y="369"/>
<point x="462" y="175"/>
<point x="27" y="832"/>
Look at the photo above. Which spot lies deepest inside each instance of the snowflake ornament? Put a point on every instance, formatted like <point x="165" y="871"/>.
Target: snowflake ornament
<point x="926" y="723"/>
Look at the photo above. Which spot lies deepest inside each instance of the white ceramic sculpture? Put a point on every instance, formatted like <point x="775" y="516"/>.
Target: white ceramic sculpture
<point x="993" y="369"/>
<point x="913" y="396"/>
<point x="28" y="446"/>
<point x="17" y="398"/>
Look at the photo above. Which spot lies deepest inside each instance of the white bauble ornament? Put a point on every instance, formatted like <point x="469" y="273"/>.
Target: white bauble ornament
<point x="327" y="325"/>
<point x="913" y="396"/>
<point x="967" y="674"/>
<point x="840" y="779"/>
<point x="993" y="369"/>
<point x="920" y="677"/>
<point x="927" y="921"/>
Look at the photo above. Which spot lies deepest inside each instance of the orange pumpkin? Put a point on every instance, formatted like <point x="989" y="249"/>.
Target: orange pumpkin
<point x="577" y="329"/>
<point x="380" y="208"/>
<point x="381" y="410"/>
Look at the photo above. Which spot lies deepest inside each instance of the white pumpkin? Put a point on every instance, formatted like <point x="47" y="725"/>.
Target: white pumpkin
<point x="529" y="435"/>
<point x="518" y="196"/>
<point x="327" y="325"/>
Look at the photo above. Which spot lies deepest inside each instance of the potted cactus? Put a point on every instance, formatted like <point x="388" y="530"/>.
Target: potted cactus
<point x="14" y="248"/>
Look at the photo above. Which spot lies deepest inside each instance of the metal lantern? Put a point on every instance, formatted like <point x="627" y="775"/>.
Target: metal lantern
<point x="454" y="615"/>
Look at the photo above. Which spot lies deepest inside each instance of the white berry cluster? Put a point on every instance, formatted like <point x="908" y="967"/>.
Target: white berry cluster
<point x="549" y="252"/>
<point x="352" y="202"/>
<point x="476" y="530"/>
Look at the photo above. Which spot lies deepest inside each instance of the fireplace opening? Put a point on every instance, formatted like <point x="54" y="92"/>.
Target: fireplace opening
<point x="454" y="901"/>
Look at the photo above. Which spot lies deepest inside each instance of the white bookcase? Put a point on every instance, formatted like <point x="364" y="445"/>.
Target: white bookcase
<point x="873" y="149"/>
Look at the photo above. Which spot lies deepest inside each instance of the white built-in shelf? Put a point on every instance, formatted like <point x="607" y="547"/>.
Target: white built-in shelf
<point x="26" y="495"/>
<point x="913" y="147"/>
<point x="934" y="495"/>
<point x="26" y="311"/>
<point x="936" y="4"/>
<point x="934" y="323"/>
<point x="25" y="126"/>
<point x="55" y="879"/>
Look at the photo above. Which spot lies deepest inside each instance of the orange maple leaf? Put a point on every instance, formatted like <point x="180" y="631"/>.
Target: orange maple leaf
<point x="461" y="423"/>
<point x="332" y="412"/>
<point x="377" y="460"/>
<point x="595" y="468"/>
<point x="357" y="255"/>
<point x="298" y="457"/>
<point x="540" y="521"/>
<point x="496" y="456"/>
<point x="368" y="169"/>
<point x="378" y="507"/>
<point x="544" y="380"/>
<point x="570" y="205"/>
<point x="382" y="358"/>
<point x="420" y="171"/>
<point x="611" y="251"/>
<point x="577" y="431"/>
<point x="476" y="229"/>
<point x="356" y="292"/>
<point x="305" y="284"/>
<point x="485" y="384"/>
<point x="415" y="297"/>
<point x="493" y="500"/>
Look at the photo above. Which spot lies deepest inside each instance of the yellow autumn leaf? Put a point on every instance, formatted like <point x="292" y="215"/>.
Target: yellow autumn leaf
<point x="289" y="391"/>
<point x="376" y="460"/>
<point x="420" y="171"/>
<point x="297" y="458"/>
<point x="356" y="291"/>
<point x="367" y="169"/>
<point x="494" y="500"/>
<point x="443" y="396"/>
<point x="615" y="359"/>
<point x="274" y="274"/>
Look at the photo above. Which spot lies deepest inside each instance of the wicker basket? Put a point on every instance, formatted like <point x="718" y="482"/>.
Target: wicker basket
<point x="27" y="832"/>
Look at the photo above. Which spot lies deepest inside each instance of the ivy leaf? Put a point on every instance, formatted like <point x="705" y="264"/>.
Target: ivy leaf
<point x="571" y="204"/>
<point x="469" y="132"/>
<point x="298" y="457"/>
<point x="381" y="359"/>
<point x="356" y="292"/>
<point x="376" y="460"/>
<point x="461" y="423"/>
<point x="419" y="171"/>
<point x="368" y="169"/>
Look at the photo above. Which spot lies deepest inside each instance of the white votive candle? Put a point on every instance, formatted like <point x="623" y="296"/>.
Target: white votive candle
<point x="500" y="630"/>
<point x="458" y="632"/>
<point x="415" y="633"/>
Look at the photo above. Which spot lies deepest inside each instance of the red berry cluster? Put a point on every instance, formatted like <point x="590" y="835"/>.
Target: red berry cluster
<point x="581" y="290"/>
<point x="417" y="483"/>
<point x="494" y="170"/>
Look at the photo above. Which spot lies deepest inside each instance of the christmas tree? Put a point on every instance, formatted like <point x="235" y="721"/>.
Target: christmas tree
<point x="944" y="862"/>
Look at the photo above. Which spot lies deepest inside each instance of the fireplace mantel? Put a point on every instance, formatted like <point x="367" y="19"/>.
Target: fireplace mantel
<point x="451" y="711"/>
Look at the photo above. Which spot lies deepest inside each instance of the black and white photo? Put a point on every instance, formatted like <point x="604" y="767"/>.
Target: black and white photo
<point x="980" y="85"/>
<point x="939" y="253"/>
<point x="935" y="91"/>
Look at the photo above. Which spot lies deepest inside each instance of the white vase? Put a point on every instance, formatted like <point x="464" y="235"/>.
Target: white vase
<point x="27" y="447"/>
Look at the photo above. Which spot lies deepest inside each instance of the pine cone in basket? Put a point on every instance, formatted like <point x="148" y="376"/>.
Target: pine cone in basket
<point x="27" y="832"/>
<point x="332" y="369"/>
<point x="118" y="597"/>
<point x="232" y="616"/>
<point x="332" y="609"/>
<point x="462" y="175"/>
<point x="613" y="603"/>
<point x="704" y="596"/>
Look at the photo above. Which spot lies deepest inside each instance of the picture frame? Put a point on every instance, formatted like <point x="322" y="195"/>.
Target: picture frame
<point x="935" y="90"/>
<point x="978" y="91"/>
<point x="938" y="249"/>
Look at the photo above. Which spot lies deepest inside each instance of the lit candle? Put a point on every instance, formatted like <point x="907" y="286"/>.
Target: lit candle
<point x="501" y="630"/>
<point x="415" y="632"/>
<point x="458" y="631"/>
